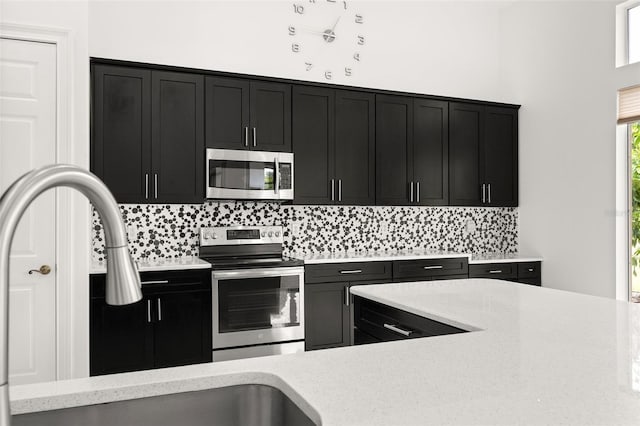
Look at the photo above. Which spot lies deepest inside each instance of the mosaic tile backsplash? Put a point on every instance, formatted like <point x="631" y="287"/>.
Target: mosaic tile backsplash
<point x="160" y="231"/>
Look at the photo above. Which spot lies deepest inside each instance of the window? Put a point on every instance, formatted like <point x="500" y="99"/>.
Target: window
<point x="633" y="34"/>
<point x="628" y="33"/>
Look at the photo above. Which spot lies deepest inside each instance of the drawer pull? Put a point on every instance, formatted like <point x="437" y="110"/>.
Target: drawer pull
<point x="530" y="269"/>
<point x="398" y="330"/>
<point x="155" y="282"/>
<point x="495" y="271"/>
<point x="433" y="267"/>
<point x="352" y="271"/>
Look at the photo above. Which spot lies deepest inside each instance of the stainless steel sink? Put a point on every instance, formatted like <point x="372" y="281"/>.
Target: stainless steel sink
<point x="245" y="405"/>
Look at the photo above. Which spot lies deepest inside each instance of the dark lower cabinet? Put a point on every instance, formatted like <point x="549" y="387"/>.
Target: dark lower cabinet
<point x="522" y="272"/>
<point x="326" y="316"/>
<point x="376" y="322"/>
<point x="171" y="326"/>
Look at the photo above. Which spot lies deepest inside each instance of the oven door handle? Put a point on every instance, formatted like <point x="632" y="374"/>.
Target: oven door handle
<point x="256" y="273"/>
<point x="276" y="179"/>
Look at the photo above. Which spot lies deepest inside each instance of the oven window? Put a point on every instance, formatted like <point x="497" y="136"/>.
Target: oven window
<point x="258" y="303"/>
<point x="241" y="174"/>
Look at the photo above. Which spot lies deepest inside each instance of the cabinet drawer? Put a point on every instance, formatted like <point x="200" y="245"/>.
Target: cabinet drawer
<point x="501" y="271"/>
<point x="160" y="281"/>
<point x="386" y="323"/>
<point x="347" y="271"/>
<point x="426" y="268"/>
<point x="529" y="270"/>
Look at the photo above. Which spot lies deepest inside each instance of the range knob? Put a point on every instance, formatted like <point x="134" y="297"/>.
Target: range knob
<point x="270" y="234"/>
<point x="277" y="233"/>
<point x="263" y="234"/>
<point x="205" y="236"/>
<point x="214" y="236"/>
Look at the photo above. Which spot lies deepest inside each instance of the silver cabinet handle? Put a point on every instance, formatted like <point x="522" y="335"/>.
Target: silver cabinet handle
<point x="339" y="189"/>
<point x="352" y="271"/>
<point x="333" y="189"/>
<point x="484" y="189"/>
<point x="432" y="267"/>
<point x="417" y="192"/>
<point x="495" y="271"/>
<point x="276" y="178"/>
<point x="146" y="186"/>
<point x="392" y="327"/>
<point x="155" y="282"/>
<point x="246" y="136"/>
<point x="411" y="193"/>
<point x="347" y="296"/>
<point x="489" y="193"/>
<point x="159" y="309"/>
<point x="148" y="310"/>
<point x="155" y="177"/>
<point x="530" y="269"/>
<point x="255" y="143"/>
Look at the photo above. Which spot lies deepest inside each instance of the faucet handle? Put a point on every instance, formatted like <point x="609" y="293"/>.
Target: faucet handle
<point x="44" y="270"/>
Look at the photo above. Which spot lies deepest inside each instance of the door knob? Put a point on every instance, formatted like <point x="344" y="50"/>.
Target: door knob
<point x="44" y="270"/>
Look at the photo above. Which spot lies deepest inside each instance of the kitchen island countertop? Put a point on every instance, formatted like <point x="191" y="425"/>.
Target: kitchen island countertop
<point x="537" y="356"/>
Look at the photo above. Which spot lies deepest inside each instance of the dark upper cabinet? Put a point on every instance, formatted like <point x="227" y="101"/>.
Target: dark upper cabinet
<point x="177" y="150"/>
<point x="121" y="131"/>
<point x="500" y="156"/>
<point x="411" y="151"/>
<point x="355" y="152"/>
<point x="243" y="114"/>
<point x="334" y="146"/>
<point x="394" y="141"/>
<point x="313" y="147"/>
<point x="148" y="134"/>
<point x="483" y="157"/>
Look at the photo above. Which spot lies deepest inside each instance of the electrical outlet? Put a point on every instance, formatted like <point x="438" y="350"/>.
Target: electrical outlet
<point x="470" y="227"/>
<point x="132" y="232"/>
<point x="296" y="228"/>
<point x="384" y="228"/>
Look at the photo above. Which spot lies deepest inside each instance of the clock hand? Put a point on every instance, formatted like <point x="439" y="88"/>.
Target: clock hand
<point x="336" y="24"/>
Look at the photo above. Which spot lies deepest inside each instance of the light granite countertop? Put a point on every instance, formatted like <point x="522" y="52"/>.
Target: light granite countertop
<point x="165" y="264"/>
<point x="409" y="254"/>
<point x="538" y="356"/>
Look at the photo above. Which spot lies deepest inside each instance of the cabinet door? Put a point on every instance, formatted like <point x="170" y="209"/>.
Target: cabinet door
<point x="227" y="113"/>
<point x="182" y="330"/>
<point x="500" y="155"/>
<point x="431" y="152"/>
<point x="270" y="117"/>
<point x="355" y="148"/>
<point x="326" y="313"/>
<point x="313" y="147"/>
<point x="394" y="140"/>
<point x="121" y="337"/>
<point x="121" y="131"/>
<point x="465" y="132"/>
<point x="178" y="138"/>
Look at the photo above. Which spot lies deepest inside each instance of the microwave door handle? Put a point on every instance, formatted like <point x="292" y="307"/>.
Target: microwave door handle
<point x="276" y="172"/>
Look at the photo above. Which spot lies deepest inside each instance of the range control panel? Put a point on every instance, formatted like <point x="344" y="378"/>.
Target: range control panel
<point x="234" y="235"/>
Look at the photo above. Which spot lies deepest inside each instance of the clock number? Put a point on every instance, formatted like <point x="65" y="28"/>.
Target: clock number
<point x="298" y="8"/>
<point x="295" y="47"/>
<point x="312" y="1"/>
<point x="309" y="65"/>
<point x="345" y="5"/>
<point x="360" y="40"/>
<point x="359" y="19"/>
<point x="347" y="72"/>
<point x="292" y="30"/>
<point x="327" y="75"/>
<point x="331" y="1"/>
<point x="356" y="56"/>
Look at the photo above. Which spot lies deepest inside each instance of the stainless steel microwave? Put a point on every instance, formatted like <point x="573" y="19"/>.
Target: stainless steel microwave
<point x="249" y="175"/>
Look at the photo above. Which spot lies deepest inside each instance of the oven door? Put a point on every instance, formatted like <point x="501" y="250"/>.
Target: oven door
<point x="252" y="175"/>
<point x="256" y="306"/>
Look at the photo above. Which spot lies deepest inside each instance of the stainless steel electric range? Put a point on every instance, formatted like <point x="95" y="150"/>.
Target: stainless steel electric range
<point x="258" y="294"/>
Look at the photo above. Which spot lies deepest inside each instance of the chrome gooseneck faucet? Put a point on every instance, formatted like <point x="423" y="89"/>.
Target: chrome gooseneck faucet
<point x="123" y="280"/>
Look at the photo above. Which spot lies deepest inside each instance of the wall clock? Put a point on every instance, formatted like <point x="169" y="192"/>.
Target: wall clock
<point x="327" y="36"/>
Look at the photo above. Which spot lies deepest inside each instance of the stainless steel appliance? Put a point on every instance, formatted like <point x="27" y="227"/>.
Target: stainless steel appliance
<point x="258" y="294"/>
<point x="249" y="175"/>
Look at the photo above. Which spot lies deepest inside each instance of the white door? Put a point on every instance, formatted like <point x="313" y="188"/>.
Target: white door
<point x="28" y="141"/>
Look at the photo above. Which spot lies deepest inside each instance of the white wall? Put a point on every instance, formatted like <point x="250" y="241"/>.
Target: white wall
<point x="70" y="17"/>
<point x="444" y="48"/>
<point x="559" y="63"/>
